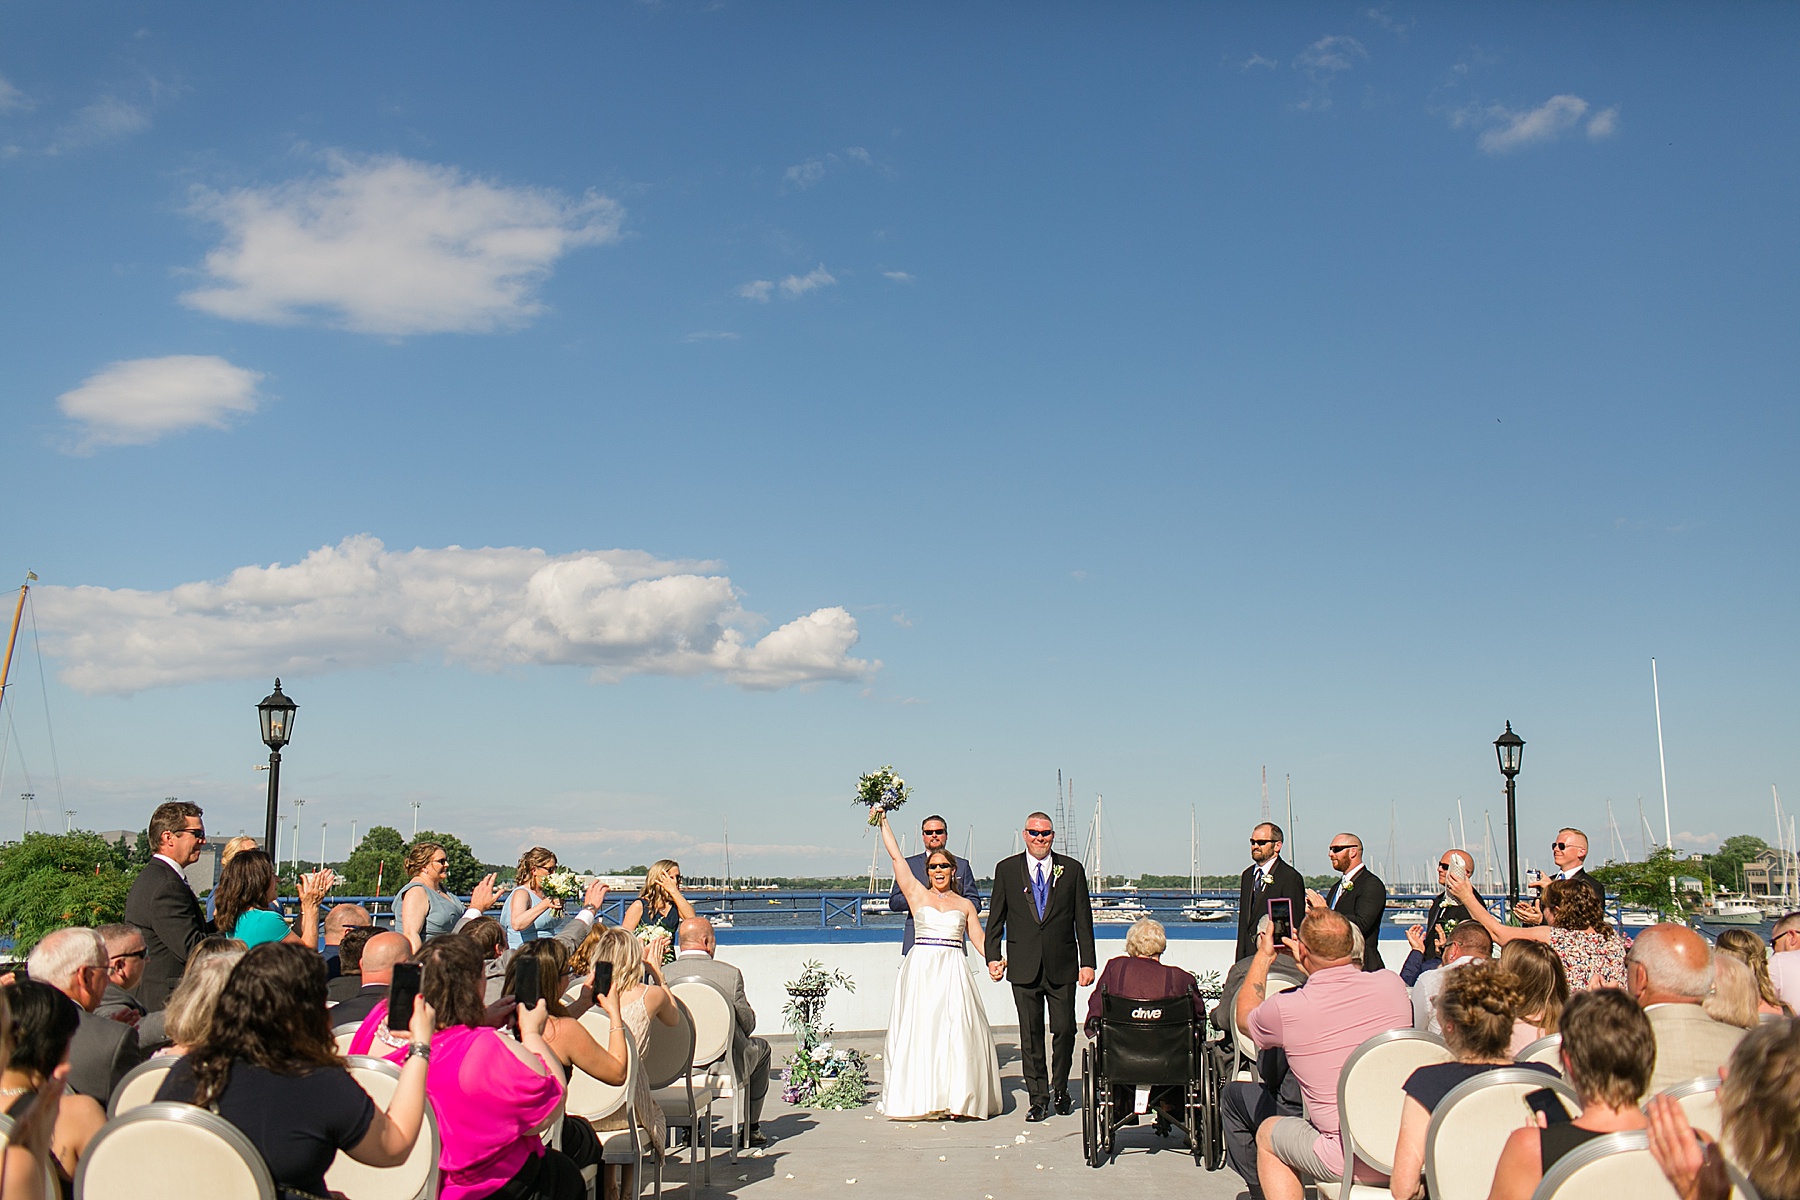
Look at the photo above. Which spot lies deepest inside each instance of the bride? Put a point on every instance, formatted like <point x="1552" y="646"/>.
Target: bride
<point x="940" y="1059"/>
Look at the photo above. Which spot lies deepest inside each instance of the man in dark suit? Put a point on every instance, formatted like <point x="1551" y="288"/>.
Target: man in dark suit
<point x="749" y="1055"/>
<point x="1266" y="878"/>
<point x="935" y="832"/>
<point x="1570" y="850"/>
<point x="1042" y="909"/>
<point x="379" y="954"/>
<point x="124" y="968"/>
<point x="73" y="961"/>
<point x="1444" y="910"/>
<point x="1357" y="894"/>
<point x="162" y="905"/>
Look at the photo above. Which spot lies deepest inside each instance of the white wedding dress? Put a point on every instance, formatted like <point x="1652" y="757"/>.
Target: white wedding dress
<point x="940" y="1057"/>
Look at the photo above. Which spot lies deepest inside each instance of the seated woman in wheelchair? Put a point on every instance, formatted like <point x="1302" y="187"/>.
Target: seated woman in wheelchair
<point x="1142" y="975"/>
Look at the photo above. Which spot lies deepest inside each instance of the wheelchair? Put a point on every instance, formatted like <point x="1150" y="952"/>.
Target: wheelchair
<point x="1150" y="1044"/>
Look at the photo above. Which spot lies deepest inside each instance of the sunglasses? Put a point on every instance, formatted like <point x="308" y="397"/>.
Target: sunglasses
<point x="1562" y="845"/>
<point x="1445" y="866"/>
<point x="940" y="867"/>
<point x="1262" y="841"/>
<point x="934" y="832"/>
<point x="1040" y="833"/>
<point x="1341" y="849"/>
<point x="199" y="835"/>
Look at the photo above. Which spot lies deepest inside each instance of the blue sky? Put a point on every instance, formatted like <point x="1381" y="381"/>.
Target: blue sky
<point x="1153" y="392"/>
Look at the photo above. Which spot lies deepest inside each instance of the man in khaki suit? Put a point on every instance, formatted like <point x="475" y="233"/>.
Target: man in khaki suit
<point x="1670" y="969"/>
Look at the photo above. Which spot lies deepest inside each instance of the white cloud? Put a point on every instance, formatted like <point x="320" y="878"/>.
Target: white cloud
<point x="136" y="402"/>
<point x="107" y="118"/>
<point x="757" y="289"/>
<point x="898" y="276"/>
<point x="388" y="245"/>
<point x="803" y="175"/>
<point x="11" y="98"/>
<point x="858" y="154"/>
<point x="1604" y="123"/>
<point x="1385" y="18"/>
<point x="1257" y="60"/>
<point x="1324" y="61"/>
<point x="796" y="286"/>
<point x="1514" y="130"/>
<point x="358" y="605"/>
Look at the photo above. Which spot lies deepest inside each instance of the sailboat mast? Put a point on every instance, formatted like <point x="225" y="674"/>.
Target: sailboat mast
<point x="1661" y="762"/>
<point x="1293" y="837"/>
<point x="13" y="638"/>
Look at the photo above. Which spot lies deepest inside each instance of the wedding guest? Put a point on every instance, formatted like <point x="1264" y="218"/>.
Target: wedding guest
<point x="530" y="914"/>
<point x="339" y="919"/>
<point x="1759" y="1106"/>
<point x="660" y="902"/>
<point x="1141" y="974"/>
<point x="698" y="958"/>
<point x="1474" y="1010"/>
<point x="1268" y="877"/>
<point x="1732" y="1000"/>
<point x="350" y="953"/>
<point x="188" y="1018"/>
<point x="568" y="1039"/>
<point x="426" y="909"/>
<point x="73" y="961"/>
<point x="375" y="975"/>
<point x="1444" y="915"/>
<point x="246" y="896"/>
<point x="1543" y="991"/>
<point x="1784" y="961"/>
<point x="1468" y="943"/>
<point x="124" y="968"/>
<point x="161" y="902"/>
<point x="1574" y="925"/>
<point x="43" y="1024"/>
<point x="153" y="1030"/>
<point x="1570" y="850"/>
<point x="640" y="1001"/>
<point x="1607" y="1049"/>
<point x="490" y="940"/>
<point x="1671" y="975"/>
<point x="27" y="1155"/>
<point x="1746" y="947"/>
<point x="230" y="850"/>
<point x="268" y="1065"/>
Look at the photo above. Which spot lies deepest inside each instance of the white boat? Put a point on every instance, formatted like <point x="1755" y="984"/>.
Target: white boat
<point x="1638" y="918"/>
<point x="1407" y="917"/>
<point x="1122" y="912"/>
<point x="1732" y="910"/>
<point x="874" y="905"/>
<point x="1207" y="910"/>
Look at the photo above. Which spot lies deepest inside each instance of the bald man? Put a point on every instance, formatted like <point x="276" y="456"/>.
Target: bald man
<point x="694" y="959"/>
<point x="1570" y="851"/>
<point x="379" y="955"/>
<point x="1357" y="894"/>
<point x="1670" y="973"/>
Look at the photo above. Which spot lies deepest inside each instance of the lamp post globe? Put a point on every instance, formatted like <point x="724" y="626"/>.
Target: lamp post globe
<point x="276" y="714"/>
<point x="1509" y="749"/>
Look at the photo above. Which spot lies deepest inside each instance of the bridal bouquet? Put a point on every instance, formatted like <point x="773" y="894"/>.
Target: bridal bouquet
<point x="562" y="885"/>
<point x="881" y="792"/>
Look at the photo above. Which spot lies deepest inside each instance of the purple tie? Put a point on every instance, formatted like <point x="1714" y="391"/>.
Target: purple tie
<point x="1040" y="891"/>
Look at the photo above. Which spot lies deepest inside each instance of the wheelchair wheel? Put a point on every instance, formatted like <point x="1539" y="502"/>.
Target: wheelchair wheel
<point x="1092" y="1148"/>
<point x="1214" y="1117"/>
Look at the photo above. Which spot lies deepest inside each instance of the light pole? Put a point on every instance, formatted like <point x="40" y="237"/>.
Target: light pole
<point x="415" y="808"/>
<point x="277" y="715"/>
<point x="1509" y="748"/>
<point x="68" y="819"/>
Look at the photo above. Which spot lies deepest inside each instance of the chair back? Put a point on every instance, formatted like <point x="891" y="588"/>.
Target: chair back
<point x="714" y="1021"/>
<point x="1148" y="1042"/>
<point x="343" y="1040"/>
<point x="1282" y="978"/>
<point x="414" y="1179"/>
<point x="571" y="994"/>
<point x="140" y="1085"/>
<point x="1369" y="1096"/>
<point x="1470" y="1126"/>
<point x="52" y="1181"/>
<point x="671" y="1051"/>
<point x="1699" y="1099"/>
<point x="589" y="1097"/>
<point x="1546" y="1050"/>
<point x="1612" y="1165"/>
<point x="169" y="1151"/>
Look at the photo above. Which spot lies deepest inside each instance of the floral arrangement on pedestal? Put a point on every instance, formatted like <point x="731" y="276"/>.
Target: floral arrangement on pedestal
<point x="818" y="1074"/>
<point x="881" y="792"/>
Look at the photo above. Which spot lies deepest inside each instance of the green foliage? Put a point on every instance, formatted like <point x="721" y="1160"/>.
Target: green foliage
<point x="1644" y="883"/>
<point x="1724" y="863"/>
<point x="51" y="880"/>
<point x="378" y="853"/>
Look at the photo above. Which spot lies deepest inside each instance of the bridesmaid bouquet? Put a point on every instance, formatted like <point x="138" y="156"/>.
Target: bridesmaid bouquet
<point x="562" y="885"/>
<point x="881" y="792"/>
<point x="648" y="933"/>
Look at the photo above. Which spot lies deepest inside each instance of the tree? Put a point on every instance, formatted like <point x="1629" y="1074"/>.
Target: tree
<point x="377" y="856"/>
<point x="1724" y="864"/>
<point x="1649" y="883"/>
<point x="52" y="880"/>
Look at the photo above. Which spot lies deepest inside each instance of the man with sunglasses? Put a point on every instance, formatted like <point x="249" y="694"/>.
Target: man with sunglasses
<point x="124" y="968"/>
<point x="1570" y="850"/>
<point x="1357" y="894"/>
<point x="1445" y="911"/>
<point x="162" y="903"/>
<point x="1267" y="878"/>
<point x="1784" y="963"/>
<point x="1042" y="910"/>
<point x="935" y="832"/>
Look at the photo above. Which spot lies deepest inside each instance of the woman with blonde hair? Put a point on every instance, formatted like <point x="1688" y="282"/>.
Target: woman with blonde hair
<point x="1543" y="990"/>
<point x="230" y="850"/>
<point x="188" y="1019"/>
<point x="1759" y="1107"/>
<point x="1749" y="949"/>
<point x="1733" y="997"/>
<point x="660" y="903"/>
<point x="530" y="914"/>
<point x="640" y="1001"/>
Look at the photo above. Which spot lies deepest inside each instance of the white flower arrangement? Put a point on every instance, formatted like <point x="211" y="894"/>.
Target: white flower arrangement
<point x="562" y="885"/>
<point x="881" y="792"/>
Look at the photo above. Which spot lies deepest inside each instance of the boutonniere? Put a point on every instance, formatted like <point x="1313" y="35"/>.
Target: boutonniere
<point x="1347" y="885"/>
<point x="1055" y="874"/>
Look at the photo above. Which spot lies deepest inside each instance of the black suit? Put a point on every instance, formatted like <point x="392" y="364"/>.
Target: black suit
<point x="1044" y="956"/>
<point x="1284" y="882"/>
<point x="358" y="1007"/>
<point x="1444" y="908"/>
<point x="1362" y="905"/>
<point x="1582" y="877"/>
<point x="100" y="1054"/>
<point x="166" y="911"/>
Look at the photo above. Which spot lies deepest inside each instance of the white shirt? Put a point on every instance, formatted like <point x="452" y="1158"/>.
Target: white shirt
<point x="1344" y="879"/>
<point x="1425" y="993"/>
<point x="1784" y="973"/>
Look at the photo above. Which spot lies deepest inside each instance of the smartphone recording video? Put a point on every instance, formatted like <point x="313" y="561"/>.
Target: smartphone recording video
<point x="1281" y="919"/>
<point x="403" y="993"/>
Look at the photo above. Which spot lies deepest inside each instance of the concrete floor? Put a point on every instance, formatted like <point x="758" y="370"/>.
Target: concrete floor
<point x="812" y="1155"/>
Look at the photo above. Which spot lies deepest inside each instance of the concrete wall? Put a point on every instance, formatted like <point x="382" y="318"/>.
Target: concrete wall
<point x="873" y="965"/>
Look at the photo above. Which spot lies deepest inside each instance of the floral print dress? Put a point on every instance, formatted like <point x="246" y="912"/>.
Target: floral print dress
<point x="1592" y="959"/>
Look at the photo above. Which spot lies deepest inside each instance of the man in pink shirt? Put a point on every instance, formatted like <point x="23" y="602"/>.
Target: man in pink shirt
<point x="1784" y="964"/>
<point x="1319" y="1026"/>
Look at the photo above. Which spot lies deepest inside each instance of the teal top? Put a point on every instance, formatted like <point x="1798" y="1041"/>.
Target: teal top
<point x="441" y="912"/>
<point x="260" y="925"/>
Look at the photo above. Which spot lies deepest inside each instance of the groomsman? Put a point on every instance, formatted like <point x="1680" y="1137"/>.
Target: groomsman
<point x="1266" y="878"/>
<point x="1570" y="850"/>
<point x="1357" y="894"/>
<point x="935" y="832"/>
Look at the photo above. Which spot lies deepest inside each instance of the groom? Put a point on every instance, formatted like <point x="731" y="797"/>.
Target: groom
<point x="1040" y="903"/>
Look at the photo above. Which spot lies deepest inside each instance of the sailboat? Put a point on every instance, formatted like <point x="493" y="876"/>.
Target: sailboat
<point x="1200" y="909"/>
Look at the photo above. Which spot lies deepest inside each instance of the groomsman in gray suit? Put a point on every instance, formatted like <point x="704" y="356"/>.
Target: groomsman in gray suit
<point x="935" y="832"/>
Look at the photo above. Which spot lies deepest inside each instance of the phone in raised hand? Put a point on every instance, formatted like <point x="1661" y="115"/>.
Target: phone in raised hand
<point x="403" y="993"/>
<point x="1281" y="919"/>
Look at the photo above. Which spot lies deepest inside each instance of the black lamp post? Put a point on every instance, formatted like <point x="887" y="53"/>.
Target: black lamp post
<point x="277" y="715"/>
<point x="1509" y="748"/>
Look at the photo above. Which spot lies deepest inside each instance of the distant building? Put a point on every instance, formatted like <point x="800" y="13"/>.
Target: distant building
<point x="1771" y="873"/>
